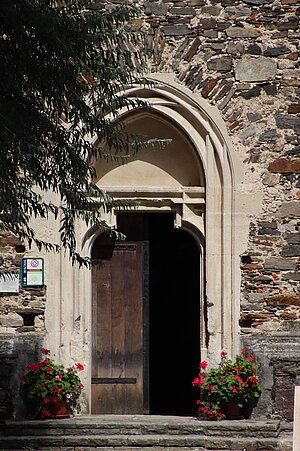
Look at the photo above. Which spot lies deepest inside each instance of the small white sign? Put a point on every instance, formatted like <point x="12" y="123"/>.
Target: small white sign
<point x="9" y="282"/>
<point x="32" y="271"/>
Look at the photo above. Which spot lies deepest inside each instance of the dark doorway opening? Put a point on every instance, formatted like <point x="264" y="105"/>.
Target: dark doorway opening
<point x="173" y="326"/>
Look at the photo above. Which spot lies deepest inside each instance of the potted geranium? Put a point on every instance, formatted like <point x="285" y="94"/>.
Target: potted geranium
<point x="49" y="389"/>
<point x="234" y="383"/>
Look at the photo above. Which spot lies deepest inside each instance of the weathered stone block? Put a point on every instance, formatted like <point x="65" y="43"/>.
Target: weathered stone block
<point x="176" y="30"/>
<point x="237" y="11"/>
<point x="258" y="2"/>
<point x="247" y="132"/>
<point x="235" y="48"/>
<point x="206" y="23"/>
<point x="291" y="250"/>
<point x="276" y="51"/>
<point x="192" y="50"/>
<point x="211" y="10"/>
<point x="284" y="121"/>
<point x="289" y="209"/>
<point x="253" y="117"/>
<point x="222" y="64"/>
<point x="292" y="238"/>
<point x="158" y="9"/>
<point x="255" y="69"/>
<point x="284" y="399"/>
<point x="270" y="89"/>
<point x="284" y="299"/>
<point x="280" y="264"/>
<point x="196" y="2"/>
<point x="284" y="165"/>
<point x="254" y="92"/>
<point x="291" y="276"/>
<point x="240" y="32"/>
<point x="11" y="320"/>
<point x="208" y="87"/>
<point x="185" y="11"/>
<point x="294" y="108"/>
<point x="254" y="49"/>
<point x="291" y="24"/>
<point x="269" y="179"/>
<point x="268" y="136"/>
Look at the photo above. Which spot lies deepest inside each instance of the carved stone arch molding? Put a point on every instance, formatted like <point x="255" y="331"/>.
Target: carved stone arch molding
<point x="222" y="226"/>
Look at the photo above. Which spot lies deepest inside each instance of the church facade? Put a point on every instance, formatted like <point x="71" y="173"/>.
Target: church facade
<point x="212" y="255"/>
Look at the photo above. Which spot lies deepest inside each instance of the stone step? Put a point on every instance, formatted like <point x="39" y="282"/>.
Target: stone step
<point x="125" y="432"/>
<point x="143" y="441"/>
<point x="111" y="425"/>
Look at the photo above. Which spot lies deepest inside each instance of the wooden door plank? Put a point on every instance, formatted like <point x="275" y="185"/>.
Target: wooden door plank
<point x="118" y="319"/>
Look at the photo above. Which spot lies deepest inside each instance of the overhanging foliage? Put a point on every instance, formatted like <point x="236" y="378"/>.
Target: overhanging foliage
<point x="63" y="66"/>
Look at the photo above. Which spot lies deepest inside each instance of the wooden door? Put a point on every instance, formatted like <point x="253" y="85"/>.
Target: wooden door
<point x="118" y="378"/>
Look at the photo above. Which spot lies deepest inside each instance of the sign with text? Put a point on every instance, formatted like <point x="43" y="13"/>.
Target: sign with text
<point x="32" y="272"/>
<point x="9" y="282"/>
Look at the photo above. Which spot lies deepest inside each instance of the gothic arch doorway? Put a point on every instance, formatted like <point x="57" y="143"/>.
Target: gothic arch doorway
<point x="195" y="180"/>
<point x="146" y="318"/>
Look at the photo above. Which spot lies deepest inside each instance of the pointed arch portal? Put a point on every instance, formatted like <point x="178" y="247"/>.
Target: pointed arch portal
<point x="169" y="294"/>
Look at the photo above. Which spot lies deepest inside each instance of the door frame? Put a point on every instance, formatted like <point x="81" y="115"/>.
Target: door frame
<point x="191" y="230"/>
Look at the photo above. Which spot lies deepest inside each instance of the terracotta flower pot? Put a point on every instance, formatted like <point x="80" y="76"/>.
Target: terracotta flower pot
<point x="232" y="411"/>
<point x="59" y="410"/>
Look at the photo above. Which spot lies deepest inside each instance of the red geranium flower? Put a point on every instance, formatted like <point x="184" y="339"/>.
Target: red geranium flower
<point x="79" y="367"/>
<point x="203" y="364"/>
<point x="45" y="351"/>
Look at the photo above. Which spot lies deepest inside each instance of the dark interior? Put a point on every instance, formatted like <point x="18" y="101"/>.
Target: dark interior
<point x="174" y="310"/>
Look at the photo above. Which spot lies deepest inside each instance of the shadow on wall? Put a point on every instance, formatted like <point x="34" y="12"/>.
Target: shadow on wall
<point x="15" y="353"/>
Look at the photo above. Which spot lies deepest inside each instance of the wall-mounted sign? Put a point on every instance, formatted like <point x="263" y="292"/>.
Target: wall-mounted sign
<point x="9" y="282"/>
<point x="32" y="272"/>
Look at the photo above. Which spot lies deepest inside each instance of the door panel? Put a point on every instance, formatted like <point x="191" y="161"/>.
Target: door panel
<point x="117" y="341"/>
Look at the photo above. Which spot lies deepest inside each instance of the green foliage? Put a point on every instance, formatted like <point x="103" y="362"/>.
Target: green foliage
<point x="64" y="65"/>
<point x="234" y="381"/>
<point x="46" y="383"/>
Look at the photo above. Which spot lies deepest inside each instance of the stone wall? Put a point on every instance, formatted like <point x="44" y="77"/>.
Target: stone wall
<point x="21" y="327"/>
<point x="243" y="57"/>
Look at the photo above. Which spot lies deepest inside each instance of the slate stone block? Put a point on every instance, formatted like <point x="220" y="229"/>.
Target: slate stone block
<point x="235" y="48"/>
<point x="158" y="9"/>
<point x="223" y="64"/>
<point x="211" y="10"/>
<point x="268" y="136"/>
<point x="237" y="11"/>
<point x="241" y="32"/>
<point x="284" y="165"/>
<point x="258" y="2"/>
<point x="206" y="23"/>
<point x="294" y="108"/>
<point x="254" y="92"/>
<point x="176" y="30"/>
<point x="291" y="24"/>
<point x="292" y="238"/>
<point x="270" y="89"/>
<point x="208" y="87"/>
<point x="276" y="51"/>
<point x="255" y="69"/>
<point x="291" y="250"/>
<point x="289" y="209"/>
<point x="284" y="299"/>
<point x="184" y="11"/>
<point x="254" y="49"/>
<point x="280" y="264"/>
<point x="284" y="121"/>
<point x="253" y="117"/>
